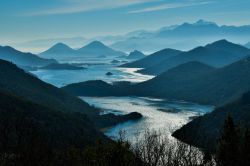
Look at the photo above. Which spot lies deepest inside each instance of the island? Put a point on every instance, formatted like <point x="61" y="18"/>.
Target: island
<point x="109" y="74"/>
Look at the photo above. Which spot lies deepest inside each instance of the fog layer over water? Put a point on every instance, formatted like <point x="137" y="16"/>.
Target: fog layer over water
<point x="95" y="70"/>
<point x="157" y="114"/>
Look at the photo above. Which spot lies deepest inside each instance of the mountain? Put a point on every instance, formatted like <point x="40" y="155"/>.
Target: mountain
<point x="39" y="45"/>
<point x="58" y="50"/>
<point x="247" y="45"/>
<point x="135" y="55"/>
<point x="94" y="48"/>
<point x="217" y="54"/>
<point x="24" y="85"/>
<point x="205" y="130"/>
<point x="97" y="48"/>
<point x="210" y="86"/>
<point x="36" y="125"/>
<point x="23" y="59"/>
<point x="183" y="36"/>
<point x="153" y="59"/>
<point x="192" y="81"/>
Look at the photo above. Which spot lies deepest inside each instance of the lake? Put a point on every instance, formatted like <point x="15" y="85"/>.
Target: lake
<point x="158" y="114"/>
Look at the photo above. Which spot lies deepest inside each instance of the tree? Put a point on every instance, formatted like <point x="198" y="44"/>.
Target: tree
<point x="228" y="149"/>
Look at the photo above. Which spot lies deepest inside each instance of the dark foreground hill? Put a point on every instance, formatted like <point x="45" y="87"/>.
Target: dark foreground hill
<point x="217" y="54"/>
<point x="204" y="131"/>
<point x="23" y="59"/>
<point x="29" y="122"/>
<point x="192" y="81"/>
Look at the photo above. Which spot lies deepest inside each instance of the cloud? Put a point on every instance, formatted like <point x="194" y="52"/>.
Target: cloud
<point x="170" y="6"/>
<point x="77" y="6"/>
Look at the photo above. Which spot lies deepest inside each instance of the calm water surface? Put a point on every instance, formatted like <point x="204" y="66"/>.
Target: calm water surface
<point x="157" y="114"/>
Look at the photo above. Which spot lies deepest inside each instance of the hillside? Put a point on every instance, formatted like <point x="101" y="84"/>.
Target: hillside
<point x="192" y="81"/>
<point x="25" y="85"/>
<point x="152" y="59"/>
<point x="210" y="86"/>
<point x="217" y="54"/>
<point x="204" y="131"/>
<point x="23" y="59"/>
<point x="50" y="128"/>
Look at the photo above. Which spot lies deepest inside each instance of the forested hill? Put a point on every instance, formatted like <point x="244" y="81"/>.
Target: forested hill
<point x="204" y="131"/>
<point x="41" y="127"/>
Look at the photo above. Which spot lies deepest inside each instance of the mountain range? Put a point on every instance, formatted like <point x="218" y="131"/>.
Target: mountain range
<point x="191" y="81"/>
<point x="23" y="59"/>
<point x="183" y="37"/>
<point x="93" y="49"/>
<point x="152" y="59"/>
<point x="217" y="54"/>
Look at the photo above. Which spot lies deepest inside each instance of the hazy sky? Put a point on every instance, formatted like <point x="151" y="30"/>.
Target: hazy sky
<point x="22" y="20"/>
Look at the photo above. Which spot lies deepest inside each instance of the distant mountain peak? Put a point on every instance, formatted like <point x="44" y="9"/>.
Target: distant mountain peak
<point x="60" y="45"/>
<point x="136" y="51"/>
<point x="224" y="43"/>
<point x="96" y="44"/>
<point x="136" y="55"/>
<point x="204" y="22"/>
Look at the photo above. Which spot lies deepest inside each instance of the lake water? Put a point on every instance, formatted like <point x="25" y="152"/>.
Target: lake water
<point x="157" y="114"/>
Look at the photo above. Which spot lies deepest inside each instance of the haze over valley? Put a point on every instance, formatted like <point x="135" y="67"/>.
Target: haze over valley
<point x="126" y="83"/>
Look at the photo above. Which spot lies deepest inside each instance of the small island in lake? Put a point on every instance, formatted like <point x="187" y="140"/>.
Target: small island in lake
<point x="109" y="74"/>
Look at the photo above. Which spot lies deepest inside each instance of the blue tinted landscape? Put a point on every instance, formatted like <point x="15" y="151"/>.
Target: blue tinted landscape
<point x="125" y="83"/>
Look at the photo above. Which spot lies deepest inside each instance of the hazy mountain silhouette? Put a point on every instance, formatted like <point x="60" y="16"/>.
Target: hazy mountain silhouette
<point x="94" y="48"/>
<point x="153" y="59"/>
<point x="135" y="55"/>
<point x="183" y="37"/>
<point x="217" y="54"/>
<point x="97" y="48"/>
<point x="23" y="59"/>
<point x="189" y="82"/>
<point x="58" y="50"/>
<point x="205" y="130"/>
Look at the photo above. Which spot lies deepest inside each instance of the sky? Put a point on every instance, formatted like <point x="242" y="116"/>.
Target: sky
<point x="24" y="20"/>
